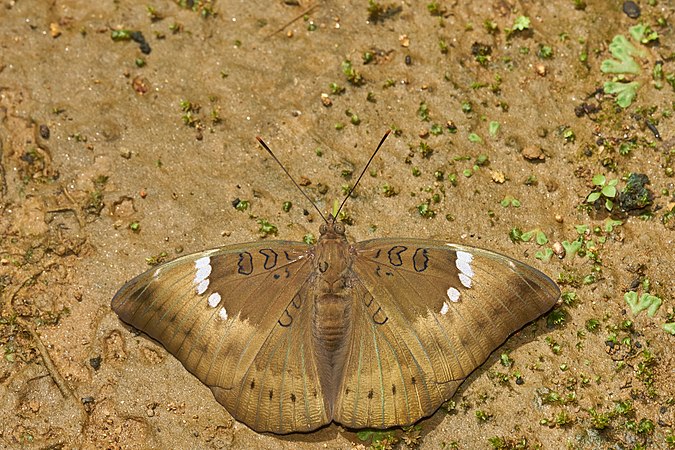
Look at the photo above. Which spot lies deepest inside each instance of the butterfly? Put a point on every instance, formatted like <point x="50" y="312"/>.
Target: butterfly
<point x="290" y="337"/>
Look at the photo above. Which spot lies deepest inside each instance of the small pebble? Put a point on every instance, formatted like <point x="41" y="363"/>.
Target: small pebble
<point x="631" y="9"/>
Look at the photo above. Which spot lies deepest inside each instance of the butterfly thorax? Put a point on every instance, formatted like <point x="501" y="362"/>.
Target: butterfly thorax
<point x="332" y="297"/>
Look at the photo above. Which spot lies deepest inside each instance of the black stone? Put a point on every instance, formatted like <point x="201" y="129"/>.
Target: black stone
<point x="631" y="9"/>
<point x="95" y="362"/>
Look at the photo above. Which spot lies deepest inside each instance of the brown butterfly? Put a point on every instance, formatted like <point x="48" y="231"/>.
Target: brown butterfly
<point x="374" y="334"/>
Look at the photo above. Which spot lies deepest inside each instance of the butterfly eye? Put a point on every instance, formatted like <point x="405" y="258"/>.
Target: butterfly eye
<point x="339" y="228"/>
<point x="323" y="228"/>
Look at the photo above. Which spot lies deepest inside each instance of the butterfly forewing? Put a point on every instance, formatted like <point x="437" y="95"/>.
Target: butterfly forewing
<point x="237" y="318"/>
<point x="431" y="313"/>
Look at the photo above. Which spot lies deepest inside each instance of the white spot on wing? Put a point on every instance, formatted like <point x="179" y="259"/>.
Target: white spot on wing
<point x="203" y="266"/>
<point x="445" y="308"/>
<point x="453" y="295"/>
<point x="156" y="274"/>
<point x="202" y="262"/>
<point x="463" y="263"/>
<point x="214" y="299"/>
<point x="202" y="274"/>
<point x="202" y="286"/>
<point x="466" y="281"/>
<point x="222" y="314"/>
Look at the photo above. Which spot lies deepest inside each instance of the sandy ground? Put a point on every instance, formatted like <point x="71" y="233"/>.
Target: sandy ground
<point x="111" y="155"/>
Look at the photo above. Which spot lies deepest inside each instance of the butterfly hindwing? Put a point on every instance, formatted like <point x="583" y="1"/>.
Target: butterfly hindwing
<point x="237" y="318"/>
<point x="431" y="313"/>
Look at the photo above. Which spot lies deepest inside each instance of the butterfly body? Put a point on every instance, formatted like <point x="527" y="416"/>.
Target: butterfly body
<point x="375" y="334"/>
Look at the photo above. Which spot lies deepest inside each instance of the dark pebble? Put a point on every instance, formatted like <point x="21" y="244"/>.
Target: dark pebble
<point x="631" y="9"/>
<point x="408" y="60"/>
<point x="95" y="363"/>
<point x="44" y="131"/>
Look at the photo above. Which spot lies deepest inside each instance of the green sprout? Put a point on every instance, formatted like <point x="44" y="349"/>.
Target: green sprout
<point x="474" y="138"/>
<point x="521" y="23"/>
<point x="571" y="248"/>
<point x="423" y="112"/>
<point x="353" y="76"/>
<point x="241" y="205"/>
<point x="648" y="302"/>
<point x="625" y="92"/>
<point x="267" y="228"/>
<point x="425" y="210"/>
<point x="643" y="33"/>
<point x="493" y="128"/>
<point x="607" y="189"/>
<point x="623" y="52"/>
<point x="510" y="201"/>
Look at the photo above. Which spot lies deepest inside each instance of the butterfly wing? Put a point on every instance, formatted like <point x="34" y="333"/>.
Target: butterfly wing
<point x="237" y="318"/>
<point x="431" y="313"/>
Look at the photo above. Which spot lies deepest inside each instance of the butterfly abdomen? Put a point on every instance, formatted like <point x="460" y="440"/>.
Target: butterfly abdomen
<point x="331" y="331"/>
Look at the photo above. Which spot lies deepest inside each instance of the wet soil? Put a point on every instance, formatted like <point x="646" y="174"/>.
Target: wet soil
<point x="127" y="134"/>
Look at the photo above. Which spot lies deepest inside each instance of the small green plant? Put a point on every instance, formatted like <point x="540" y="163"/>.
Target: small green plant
<point x="604" y="189"/>
<point x="646" y="301"/>
<point x="521" y="24"/>
<point x="353" y="76"/>
<point x="623" y="63"/>
<point x="493" y="128"/>
<point x="599" y="421"/>
<point x="592" y="325"/>
<point x="241" y="205"/>
<point x="423" y="112"/>
<point x="483" y="416"/>
<point x="509" y="200"/>
<point x="266" y="228"/>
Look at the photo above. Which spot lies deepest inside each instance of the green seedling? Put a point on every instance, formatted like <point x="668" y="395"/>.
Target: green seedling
<point x="623" y="51"/>
<point x="623" y="63"/>
<point x="625" y="92"/>
<point x="571" y="248"/>
<point x="521" y="23"/>
<point x="607" y="190"/>
<point x="474" y="138"/>
<point x="643" y="33"/>
<point x="510" y="201"/>
<point x="669" y="327"/>
<point x="493" y="128"/>
<point x="544" y="255"/>
<point x="267" y="228"/>
<point x="646" y="301"/>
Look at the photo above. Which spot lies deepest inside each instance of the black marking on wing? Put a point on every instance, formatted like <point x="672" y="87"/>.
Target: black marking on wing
<point x="286" y="319"/>
<point x="270" y="258"/>
<point x="420" y="260"/>
<point x="395" y="255"/>
<point x="245" y="263"/>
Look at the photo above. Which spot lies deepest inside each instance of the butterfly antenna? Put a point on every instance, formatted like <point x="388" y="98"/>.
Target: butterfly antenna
<point x="362" y="173"/>
<point x="292" y="179"/>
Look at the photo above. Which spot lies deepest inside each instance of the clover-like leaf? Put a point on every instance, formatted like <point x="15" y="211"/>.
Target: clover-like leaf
<point x="544" y="255"/>
<point x="541" y="238"/>
<point x="669" y="327"/>
<point x="648" y="302"/>
<point x="571" y="248"/>
<point x="599" y="179"/>
<point x="626" y="92"/>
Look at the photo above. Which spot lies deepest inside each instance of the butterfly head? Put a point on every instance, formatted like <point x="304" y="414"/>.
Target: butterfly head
<point x="332" y="229"/>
